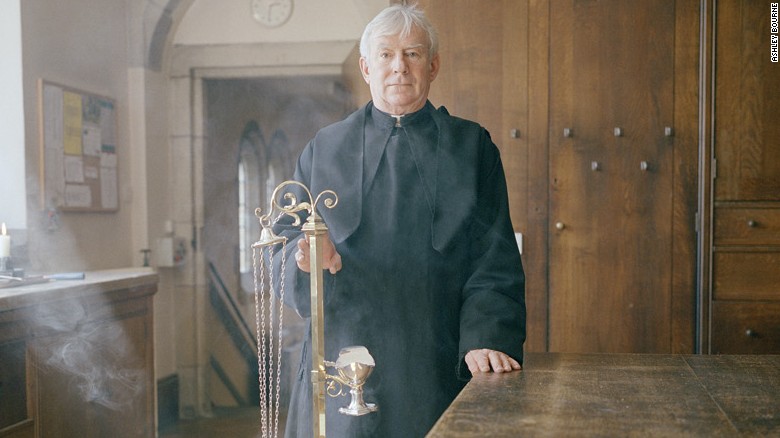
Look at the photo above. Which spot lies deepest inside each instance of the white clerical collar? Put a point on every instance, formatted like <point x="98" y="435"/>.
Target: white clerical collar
<point x="397" y="119"/>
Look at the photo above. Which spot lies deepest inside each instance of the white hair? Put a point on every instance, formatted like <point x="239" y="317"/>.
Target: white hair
<point x="398" y="20"/>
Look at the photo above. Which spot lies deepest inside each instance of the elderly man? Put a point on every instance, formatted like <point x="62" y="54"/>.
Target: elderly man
<point x="423" y="268"/>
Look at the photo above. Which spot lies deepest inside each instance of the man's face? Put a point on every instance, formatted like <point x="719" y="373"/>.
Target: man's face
<point x="399" y="72"/>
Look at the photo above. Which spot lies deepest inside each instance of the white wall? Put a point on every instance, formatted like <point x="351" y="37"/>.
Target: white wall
<point x="81" y="44"/>
<point x="210" y="22"/>
<point x="13" y="211"/>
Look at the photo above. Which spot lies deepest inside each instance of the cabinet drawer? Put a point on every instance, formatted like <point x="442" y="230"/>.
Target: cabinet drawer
<point x="746" y="275"/>
<point x="747" y="226"/>
<point x="745" y="328"/>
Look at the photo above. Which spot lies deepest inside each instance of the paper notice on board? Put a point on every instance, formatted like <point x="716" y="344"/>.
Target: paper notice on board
<point x="107" y="159"/>
<point x="74" y="169"/>
<point x="108" y="188"/>
<point x="92" y="140"/>
<point x="71" y="123"/>
<point x="78" y="195"/>
<point x="91" y="172"/>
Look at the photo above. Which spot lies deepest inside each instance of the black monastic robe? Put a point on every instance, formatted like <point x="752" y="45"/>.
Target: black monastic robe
<point x="431" y="269"/>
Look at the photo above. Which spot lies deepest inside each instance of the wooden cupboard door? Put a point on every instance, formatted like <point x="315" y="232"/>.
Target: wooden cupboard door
<point x="747" y="97"/>
<point x="13" y="388"/>
<point x="611" y="175"/>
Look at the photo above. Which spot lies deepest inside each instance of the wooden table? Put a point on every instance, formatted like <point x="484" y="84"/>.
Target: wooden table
<point x="560" y="394"/>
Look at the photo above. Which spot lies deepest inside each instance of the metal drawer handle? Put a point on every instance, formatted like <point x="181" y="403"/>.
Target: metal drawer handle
<point x="751" y="223"/>
<point x="750" y="333"/>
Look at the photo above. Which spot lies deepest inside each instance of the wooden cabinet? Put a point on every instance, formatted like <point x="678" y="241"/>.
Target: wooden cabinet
<point x="741" y="265"/>
<point x="76" y="357"/>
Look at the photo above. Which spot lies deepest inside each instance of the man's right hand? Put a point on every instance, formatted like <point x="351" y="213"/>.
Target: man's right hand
<point x="331" y="259"/>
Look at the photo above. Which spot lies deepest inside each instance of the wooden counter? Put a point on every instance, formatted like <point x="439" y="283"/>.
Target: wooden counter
<point x="621" y="395"/>
<point x="77" y="357"/>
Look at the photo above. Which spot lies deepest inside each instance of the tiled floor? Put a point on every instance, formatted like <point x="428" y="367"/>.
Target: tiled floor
<point x="241" y="422"/>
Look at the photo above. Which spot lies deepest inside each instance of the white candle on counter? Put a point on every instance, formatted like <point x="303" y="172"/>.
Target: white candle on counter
<point x="5" y="243"/>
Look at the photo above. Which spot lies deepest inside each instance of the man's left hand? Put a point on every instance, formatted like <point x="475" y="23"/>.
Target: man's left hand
<point x="482" y="361"/>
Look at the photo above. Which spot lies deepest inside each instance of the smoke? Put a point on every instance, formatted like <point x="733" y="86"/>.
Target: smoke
<point x="90" y="354"/>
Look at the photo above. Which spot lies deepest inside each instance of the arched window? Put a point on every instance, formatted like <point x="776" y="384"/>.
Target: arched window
<point x="251" y="193"/>
<point x="243" y="234"/>
<point x="261" y="167"/>
<point x="278" y="161"/>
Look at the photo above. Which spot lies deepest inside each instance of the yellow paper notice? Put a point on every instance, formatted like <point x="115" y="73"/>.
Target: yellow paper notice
<point x="71" y="119"/>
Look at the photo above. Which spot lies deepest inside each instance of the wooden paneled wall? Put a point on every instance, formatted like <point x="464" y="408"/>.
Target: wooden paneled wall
<point x="486" y="63"/>
<point x="496" y="69"/>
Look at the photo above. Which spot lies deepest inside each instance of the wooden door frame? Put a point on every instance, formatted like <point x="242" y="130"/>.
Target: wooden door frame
<point x="686" y="200"/>
<point x="706" y="146"/>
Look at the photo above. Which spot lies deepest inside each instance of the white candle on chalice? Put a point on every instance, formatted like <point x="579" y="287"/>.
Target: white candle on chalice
<point x="5" y="243"/>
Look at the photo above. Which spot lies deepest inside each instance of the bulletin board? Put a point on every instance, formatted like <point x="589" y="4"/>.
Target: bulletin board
<point x="78" y="149"/>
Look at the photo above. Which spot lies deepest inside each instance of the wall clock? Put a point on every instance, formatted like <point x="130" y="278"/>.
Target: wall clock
<point x="272" y="13"/>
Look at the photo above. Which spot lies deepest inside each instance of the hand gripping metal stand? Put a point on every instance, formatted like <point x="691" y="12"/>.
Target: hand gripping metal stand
<point x="354" y="364"/>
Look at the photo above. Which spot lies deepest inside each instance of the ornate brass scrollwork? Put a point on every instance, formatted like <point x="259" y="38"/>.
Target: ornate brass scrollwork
<point x="290" y="206"/>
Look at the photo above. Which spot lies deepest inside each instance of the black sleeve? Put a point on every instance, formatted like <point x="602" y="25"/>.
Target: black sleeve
<point x="493" y="311"/>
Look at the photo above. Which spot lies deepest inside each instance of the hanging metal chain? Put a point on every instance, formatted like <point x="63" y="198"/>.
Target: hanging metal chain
<point x="267" y="373"/>
<point x="269" y="392"/>
<point x="270" y="364"/>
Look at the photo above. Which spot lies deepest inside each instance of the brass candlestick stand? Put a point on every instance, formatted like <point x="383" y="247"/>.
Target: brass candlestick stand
<point x="354" y="364"/>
